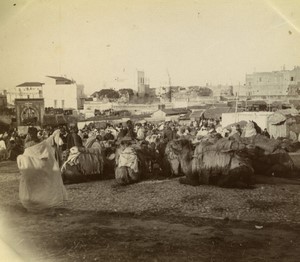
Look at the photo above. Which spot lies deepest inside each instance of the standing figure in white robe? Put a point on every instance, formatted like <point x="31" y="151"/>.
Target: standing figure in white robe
<point x="41" y="185"/>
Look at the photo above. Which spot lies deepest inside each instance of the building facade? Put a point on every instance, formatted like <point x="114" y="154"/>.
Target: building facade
<point x="276" y="83"/>
<point x="26" y="90"/>
<point x="60" y="92"/>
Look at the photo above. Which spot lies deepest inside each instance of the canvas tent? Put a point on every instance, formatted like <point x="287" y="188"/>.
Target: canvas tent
<point x="261" y="118"/>
<point x="242" y="124"/>
<point x="284" y="123"/>
<point x="168" y="114"/>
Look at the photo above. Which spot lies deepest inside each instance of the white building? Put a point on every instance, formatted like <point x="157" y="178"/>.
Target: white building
<point x="25" y="90"/>
<point x="60" y="92"/>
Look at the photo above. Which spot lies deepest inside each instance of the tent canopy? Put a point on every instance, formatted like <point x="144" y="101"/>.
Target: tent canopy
<point x="242" y="124"/>
<point x="276" y="119"/>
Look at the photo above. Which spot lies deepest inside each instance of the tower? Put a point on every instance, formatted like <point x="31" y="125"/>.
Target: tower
<point x="141" y="83"/>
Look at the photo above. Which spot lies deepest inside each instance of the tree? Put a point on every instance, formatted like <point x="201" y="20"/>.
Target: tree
<point x="126" y="90"/>
<point x="194" y="88"/>
<point x="204" y="91"/>
<point x="109" y="93"/>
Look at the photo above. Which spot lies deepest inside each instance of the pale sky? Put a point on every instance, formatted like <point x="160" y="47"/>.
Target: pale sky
<point x="97" y="41"/>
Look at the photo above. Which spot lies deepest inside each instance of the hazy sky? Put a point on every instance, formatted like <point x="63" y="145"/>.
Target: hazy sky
<point x="98" y="41"/>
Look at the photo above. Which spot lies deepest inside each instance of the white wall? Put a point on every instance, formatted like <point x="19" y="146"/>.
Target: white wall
<point x="64" y="95"/>
<point x="133" y="108"/>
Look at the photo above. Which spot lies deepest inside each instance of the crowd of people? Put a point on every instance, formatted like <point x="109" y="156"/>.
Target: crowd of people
<point x="149" y="134"/>
<point x="11" y="145"/>
<point x="54" y="147"/>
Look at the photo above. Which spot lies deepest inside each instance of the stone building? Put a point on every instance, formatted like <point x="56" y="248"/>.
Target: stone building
<point x="275" y="83"/>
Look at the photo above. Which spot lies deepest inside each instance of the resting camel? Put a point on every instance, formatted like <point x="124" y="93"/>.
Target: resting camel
<point x="88" y="163"/>
<point x="226" y="163"/>
<point x="208" y="164"/>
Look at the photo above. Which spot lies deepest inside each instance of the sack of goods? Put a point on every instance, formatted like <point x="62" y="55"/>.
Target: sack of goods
<point x="127" y="170"/>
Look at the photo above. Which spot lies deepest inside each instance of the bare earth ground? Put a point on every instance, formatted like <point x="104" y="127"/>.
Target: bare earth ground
<point x="154" y="221"/>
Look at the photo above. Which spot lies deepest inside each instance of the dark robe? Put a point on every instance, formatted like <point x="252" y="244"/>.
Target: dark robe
<point x="74" y="139"/>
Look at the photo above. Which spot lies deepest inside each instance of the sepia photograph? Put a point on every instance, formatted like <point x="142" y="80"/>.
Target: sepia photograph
<point x="150" y="130"/>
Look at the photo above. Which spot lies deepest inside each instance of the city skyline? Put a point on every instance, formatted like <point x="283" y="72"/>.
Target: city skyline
<point x="104" y="43"/>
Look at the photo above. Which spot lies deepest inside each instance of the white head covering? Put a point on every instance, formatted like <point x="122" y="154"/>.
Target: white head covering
<point x="55" y="139"/>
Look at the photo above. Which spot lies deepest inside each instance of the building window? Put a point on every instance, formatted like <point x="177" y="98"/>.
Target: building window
<point x="260" y="79"/>
<point x="62" y="103"/>
<point x="249" y="83"/>
<point x="292" y="78"/>
<point x="55" y="103"/>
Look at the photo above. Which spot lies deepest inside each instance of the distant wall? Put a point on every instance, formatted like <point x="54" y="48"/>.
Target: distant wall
<point x="133" y="108"/>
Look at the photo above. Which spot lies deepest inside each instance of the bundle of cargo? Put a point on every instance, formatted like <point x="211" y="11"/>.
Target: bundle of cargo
<point x="221" y="164"/>
<point x="83" y="164"/>
<point x="262" y="142"/>
<point x="128" y="170"/>
<point x="210" y="163"/>
<point x="267" y="156"/>
<point x="276" y="164"/>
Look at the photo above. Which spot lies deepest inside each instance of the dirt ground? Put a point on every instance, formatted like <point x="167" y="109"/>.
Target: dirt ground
<point x="154" y="221"/>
